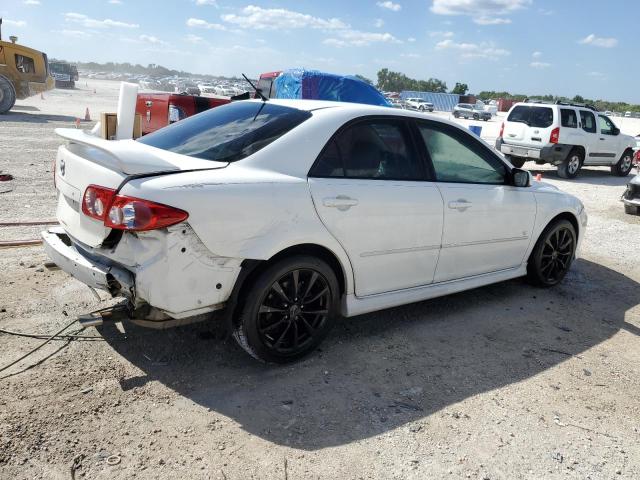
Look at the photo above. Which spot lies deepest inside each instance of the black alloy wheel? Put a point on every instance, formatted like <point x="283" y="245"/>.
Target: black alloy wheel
<point x="289" y="310"/>
<point x="553" y="254"/>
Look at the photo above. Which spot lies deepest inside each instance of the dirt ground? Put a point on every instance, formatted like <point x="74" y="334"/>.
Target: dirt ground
<point x="502" y="382"/>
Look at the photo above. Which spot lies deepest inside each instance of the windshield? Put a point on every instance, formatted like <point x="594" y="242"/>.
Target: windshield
<point x="228" y="133"/>
<point x="540" y="117"/>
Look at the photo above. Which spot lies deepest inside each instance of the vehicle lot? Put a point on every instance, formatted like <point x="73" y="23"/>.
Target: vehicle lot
<point x="502" y="382"/>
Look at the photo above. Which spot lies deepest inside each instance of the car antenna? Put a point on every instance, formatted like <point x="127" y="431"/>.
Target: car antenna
<point x="258" y="92"/>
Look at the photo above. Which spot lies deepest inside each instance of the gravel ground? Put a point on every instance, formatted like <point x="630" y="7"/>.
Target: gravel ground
<point x="502" y="382"/>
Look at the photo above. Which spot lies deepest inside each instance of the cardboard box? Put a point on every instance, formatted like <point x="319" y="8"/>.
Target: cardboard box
<point x="108" y="122"/>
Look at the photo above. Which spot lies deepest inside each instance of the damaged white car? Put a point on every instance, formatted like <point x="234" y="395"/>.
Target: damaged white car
<point x="285" y="215"/>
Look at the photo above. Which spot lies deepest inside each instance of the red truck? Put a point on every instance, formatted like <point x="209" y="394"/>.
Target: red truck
<point x="158" y="110"/>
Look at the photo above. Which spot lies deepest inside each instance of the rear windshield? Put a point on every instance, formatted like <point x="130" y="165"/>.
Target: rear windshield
<point x="228" y="133"/>
<point x="540" y="117"/>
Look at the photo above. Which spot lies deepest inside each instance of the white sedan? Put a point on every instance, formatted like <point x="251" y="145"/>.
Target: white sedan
<point x="289" y="213"/>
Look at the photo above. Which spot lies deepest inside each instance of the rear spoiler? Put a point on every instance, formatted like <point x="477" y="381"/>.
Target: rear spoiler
<point x="132" y="157"/>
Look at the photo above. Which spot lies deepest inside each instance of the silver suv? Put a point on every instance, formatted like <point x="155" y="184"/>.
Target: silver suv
<point x="566" y="135"/>
<point x="466" y="110"/>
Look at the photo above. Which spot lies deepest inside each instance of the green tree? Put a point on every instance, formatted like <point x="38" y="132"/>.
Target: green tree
<point x="460" y="89"/>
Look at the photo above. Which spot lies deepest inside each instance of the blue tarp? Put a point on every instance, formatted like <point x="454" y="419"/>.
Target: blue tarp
<point x="316" y="85"/>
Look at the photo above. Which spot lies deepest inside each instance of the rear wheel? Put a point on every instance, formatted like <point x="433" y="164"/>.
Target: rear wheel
<point x="288" y="310"/>
<point x="631" y="209"/>
<point x="517" y="162"/>
<point x="552" y="256"/>
<point x="7" y="95"/>
<point x="571" y="165"/>
<point x="624" y="165"/>
<point x="456" y="114"/>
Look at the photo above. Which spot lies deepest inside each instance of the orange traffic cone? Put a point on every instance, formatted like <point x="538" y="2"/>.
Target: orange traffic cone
<point x="77" y="123"/>
<point x="87" y="117"/>
<point x="539" y="177"/>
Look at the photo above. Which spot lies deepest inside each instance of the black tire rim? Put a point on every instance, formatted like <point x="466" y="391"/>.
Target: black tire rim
<point x="556" y="255"/>
<point x="294" y="311"/>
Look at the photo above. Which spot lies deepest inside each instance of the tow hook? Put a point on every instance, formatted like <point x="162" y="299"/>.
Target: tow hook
<point x="116" y="313"/>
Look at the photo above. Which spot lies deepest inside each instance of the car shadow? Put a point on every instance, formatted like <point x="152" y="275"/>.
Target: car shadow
<point x="588" y="175"/>
<point x="389" y="369"/>
<point x="25" y="108"/>
<point x="17" y="116"/>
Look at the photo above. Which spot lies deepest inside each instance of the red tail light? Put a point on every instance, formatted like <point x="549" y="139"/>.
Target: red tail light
<point x="128" y="213"/>
<point x="555" y="135"/>
<point x="501" y="130"/>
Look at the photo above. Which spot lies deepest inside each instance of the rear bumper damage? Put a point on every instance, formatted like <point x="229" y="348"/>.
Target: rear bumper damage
<point x="166" y="275"/>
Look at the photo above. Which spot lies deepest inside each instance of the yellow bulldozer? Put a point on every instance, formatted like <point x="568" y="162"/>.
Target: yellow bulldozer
<point x="23" y="72"/>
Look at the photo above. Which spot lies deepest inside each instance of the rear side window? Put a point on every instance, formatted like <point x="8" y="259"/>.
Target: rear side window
<point x="568" y="118"/>
<point x="376" y="149"/>
<point x="228" y="133"/>
<point x="588" y="120"/>
<point x="539" y="117"/>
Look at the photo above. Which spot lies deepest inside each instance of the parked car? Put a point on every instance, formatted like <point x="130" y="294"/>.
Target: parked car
<point x="466" y="110"/>
<point x="627" y="114"/>
<point x="419" y="104"/>
<point x="283" y="215"/>
<point x="631" y="196"/>
<point x="566" y="135"/>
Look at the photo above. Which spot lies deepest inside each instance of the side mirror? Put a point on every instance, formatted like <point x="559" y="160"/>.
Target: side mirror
<point x="521" y="178"/>
<point x="615" y="131"/>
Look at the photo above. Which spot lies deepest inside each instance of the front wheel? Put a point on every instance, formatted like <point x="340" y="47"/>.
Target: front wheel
<point x="553" y="254"/>
<point x="456" y="114"/>
<point x="288" y="310"/>
<point x="7" y="95"/>
<point x="476" y="116"/>
<point x="571" y="165"/>
<point x="624" y="165"/>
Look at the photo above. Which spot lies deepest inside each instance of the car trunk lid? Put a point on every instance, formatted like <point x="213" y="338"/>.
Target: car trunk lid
<point x="89" y="160"/>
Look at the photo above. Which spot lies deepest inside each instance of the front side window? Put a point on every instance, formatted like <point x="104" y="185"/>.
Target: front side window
<point x="568" y="118"/>
<point x="459" y="160"/>
<point x="227" y="133"/>
<point x="588" y="120"/>
<point x="376" y="149"/>
<point x="606" y="126"/>
<point x="538" y="117"/>
<point x="25" y="64"/>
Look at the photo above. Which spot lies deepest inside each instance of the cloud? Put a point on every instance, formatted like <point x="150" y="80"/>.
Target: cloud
<point x="536" y="54"/>
<point x="195" y="39"/>
<point x="334" y="42"/>
<point x="32" y="2"/>
<point x="410" y="55"/>
<point x="473" y="50"/>
<point x="151" y="39"/>
<point x="15" y="23"/>
<point x="411" y="39"/>
<point x="207" y="2"/>
<point x="259" y="18"/>
<point x="599" y="41"/>
<point x="115" y="2"/>
<point x="596" y="74"/>
<point x="94" y="23"/>
<point x="199" y="23"/>
<point x="394" y="7"/>
<point x="362" y="39"/>
<point x="74" y="33"/>
<point x="539" y="65"/>
<point x="484" y="20"/>
<point x="379" y="23"/>
<point x="483" y="12"/>
<point x="441" y="34"/>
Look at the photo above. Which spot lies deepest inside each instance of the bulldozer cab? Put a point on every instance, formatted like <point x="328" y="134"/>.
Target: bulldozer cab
<point x="24" y="72"/>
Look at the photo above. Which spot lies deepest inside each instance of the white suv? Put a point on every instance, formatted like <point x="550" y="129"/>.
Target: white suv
<point x="419" y="104"/>
<point x="566" y="135"/>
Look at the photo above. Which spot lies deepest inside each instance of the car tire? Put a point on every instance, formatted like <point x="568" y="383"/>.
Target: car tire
<point x="476" y="116"/>
<point x="517" y="162"/>
<point x="272" y="324"/>
<point x="624" y="165"/>
<point x="456" y="115"/>
<point x="553" y="254"/>
<point x="421" y="108"/>
<point x="485" y="119"/>
<point x="571" y="165"/>
<point x="631" y="209"/>
<point x="7" y="95"/>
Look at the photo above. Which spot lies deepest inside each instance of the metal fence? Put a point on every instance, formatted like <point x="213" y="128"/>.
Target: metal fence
<point x="443" y="102"/>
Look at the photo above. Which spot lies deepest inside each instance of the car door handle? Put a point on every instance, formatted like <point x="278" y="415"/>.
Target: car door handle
<point x="341" y="202"/>
<point x="601" y="138"/>
<point x="461" y="205"/>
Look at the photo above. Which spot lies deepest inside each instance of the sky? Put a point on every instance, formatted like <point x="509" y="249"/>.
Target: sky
<point x="562" y="47"/>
